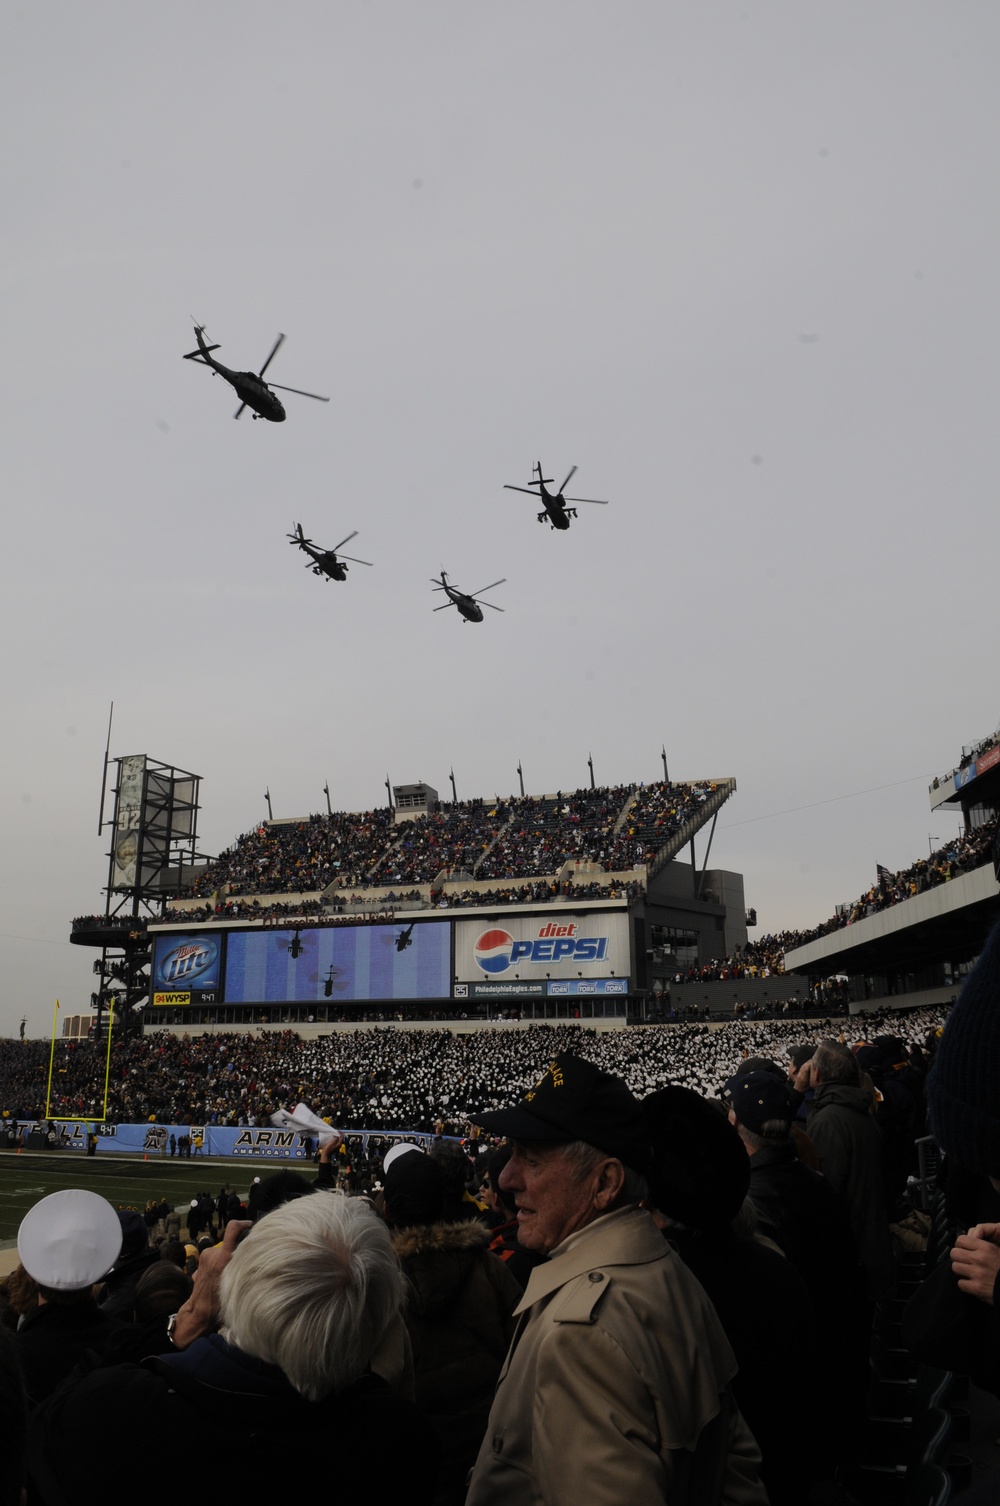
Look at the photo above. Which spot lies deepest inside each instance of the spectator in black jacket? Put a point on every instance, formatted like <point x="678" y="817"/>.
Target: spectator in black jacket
<point x="67" y="1242"/>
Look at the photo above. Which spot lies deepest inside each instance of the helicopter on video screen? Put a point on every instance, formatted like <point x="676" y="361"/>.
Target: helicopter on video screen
<point x="554" y="503"/>
<point x="250" y="386"/>
<point x="326" y="561"/>
<point x="467" y="604"/>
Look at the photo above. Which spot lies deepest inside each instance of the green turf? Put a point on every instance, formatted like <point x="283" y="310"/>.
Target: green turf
<point x="127" y="1180"/>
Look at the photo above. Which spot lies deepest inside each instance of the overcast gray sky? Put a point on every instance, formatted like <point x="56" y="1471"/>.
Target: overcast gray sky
<point x="737" y="263"/>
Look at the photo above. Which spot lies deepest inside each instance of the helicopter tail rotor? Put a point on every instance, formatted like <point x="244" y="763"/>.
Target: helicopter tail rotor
<point x="203" y="349"/>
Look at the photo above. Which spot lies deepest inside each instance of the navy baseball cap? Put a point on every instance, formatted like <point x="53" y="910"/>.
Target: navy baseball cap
<point x="574" y="1100"/>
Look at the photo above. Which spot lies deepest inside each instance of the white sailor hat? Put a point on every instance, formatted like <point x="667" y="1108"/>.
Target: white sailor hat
<point x="69" y="1239"/>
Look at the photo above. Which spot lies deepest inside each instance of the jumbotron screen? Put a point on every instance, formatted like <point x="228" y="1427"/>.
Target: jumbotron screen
<point x="356" y="962"/>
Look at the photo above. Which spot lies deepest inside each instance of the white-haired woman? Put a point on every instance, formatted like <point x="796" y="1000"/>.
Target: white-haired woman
<point x="284" y="1388"/>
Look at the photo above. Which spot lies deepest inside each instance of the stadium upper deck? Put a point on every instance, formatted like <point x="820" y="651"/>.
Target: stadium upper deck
<point x="917" y="931"/>
<point x="621" y="830"/>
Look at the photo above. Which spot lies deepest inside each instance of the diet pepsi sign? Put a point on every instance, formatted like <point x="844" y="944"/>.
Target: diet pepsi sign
<point x="497" y="950"/>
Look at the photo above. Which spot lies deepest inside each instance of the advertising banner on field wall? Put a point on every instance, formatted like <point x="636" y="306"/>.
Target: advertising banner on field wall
<point x="261" y="1144"/>
<point x="560" y="945"/>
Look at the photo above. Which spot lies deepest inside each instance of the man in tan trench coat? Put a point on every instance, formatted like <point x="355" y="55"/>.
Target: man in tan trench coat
<point x="616" y="1387"/>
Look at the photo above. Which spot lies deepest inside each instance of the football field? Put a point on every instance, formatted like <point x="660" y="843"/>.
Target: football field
<point x="128" y="1180"/>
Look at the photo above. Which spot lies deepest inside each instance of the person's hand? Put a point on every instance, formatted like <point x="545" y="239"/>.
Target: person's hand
<point x="985" y="1231"/>
<point x="330" y="1149"/>
<point x="802" y="1080"/>
<point x="976" y="1262"/>
<point x="200" y="1313"/>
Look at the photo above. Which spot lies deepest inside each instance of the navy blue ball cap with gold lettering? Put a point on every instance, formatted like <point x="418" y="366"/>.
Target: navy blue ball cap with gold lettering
<point x="760" y="1098"/>
<point x="574" y="1100"/>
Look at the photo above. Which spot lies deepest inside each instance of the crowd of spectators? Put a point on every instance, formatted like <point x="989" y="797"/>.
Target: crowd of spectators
<point x="300" y="857"/>
<point x="762" y="958"/>
<point x="620" y="828"/>
<point x="350" y="909"/>
<point x="243" y="909"/>
<point x="386" y="1079"/>
<point x="543" y="891"/>
<point x="454" y="838"/>
<point x="540" y="835"/>
<point x="969" y="850"/>
<point x="657" y="813"/>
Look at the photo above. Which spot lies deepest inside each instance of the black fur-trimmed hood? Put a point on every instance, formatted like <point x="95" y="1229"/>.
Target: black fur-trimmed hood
<point x="438" y="1260"/>
<point x="470" y="1234"/>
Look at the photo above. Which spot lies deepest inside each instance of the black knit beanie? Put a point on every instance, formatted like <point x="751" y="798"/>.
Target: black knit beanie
<point x="963" y="1088"/>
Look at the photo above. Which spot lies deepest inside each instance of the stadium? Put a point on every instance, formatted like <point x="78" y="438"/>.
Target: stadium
<point x="594" y="904"/>
<point x="573" y="905"/>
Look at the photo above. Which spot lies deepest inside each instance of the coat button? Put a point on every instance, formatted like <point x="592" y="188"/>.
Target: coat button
<point x="596" y="1276"/>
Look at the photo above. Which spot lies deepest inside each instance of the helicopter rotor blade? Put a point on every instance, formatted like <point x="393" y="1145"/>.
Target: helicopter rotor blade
<point x="508" y="488"/>
<point x="299" y="391"/>
<point x="337" y="547"/>
<point x="445" y="604"/>
<point x="483" y="589"/>
<point x="355" y="561"/>
<point x="594" y="501"/>
<point x="271" y="357"/>
<point x="490" y="604"/>
<point x="568" y="479"/>
<point x="239" y="410"/>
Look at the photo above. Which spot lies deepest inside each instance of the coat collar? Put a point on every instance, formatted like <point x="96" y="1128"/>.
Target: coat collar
<point x="627" y="1236"/>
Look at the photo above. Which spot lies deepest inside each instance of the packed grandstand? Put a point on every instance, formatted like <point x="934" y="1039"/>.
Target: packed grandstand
<point x="516" y="839"/>
<point x="392" y="1080"/>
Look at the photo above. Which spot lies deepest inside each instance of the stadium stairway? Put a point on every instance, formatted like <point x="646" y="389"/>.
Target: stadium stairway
<point x="685" y="833"/>
<point x="624" y="815"/>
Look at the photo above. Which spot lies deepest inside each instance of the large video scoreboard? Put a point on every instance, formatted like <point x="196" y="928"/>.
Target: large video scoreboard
<point x="555" y="953"/>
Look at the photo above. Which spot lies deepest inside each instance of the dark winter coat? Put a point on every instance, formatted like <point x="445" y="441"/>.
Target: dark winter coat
<point x="757" y="1296"/>
<point x="459" y="1318"/>
<point x="55" y="1337"/>
<point x="211" y="1402"/>
<point x="850" y="1149"/>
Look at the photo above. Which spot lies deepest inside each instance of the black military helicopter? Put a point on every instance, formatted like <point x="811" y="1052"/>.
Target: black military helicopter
<point x="250" y="386"/>
<point x="554" y="505"/>
<point x="326" y="560"/>
<point x="468" y="606"/>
